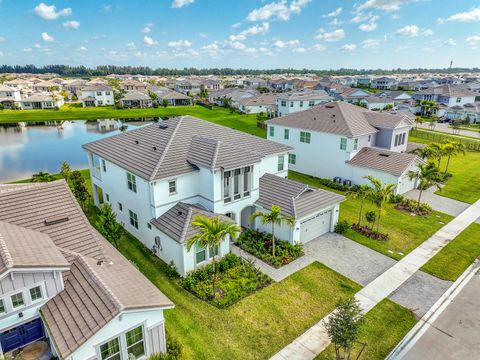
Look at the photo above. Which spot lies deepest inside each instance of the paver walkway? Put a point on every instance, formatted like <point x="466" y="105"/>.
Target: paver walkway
<point x="315" y="339"/>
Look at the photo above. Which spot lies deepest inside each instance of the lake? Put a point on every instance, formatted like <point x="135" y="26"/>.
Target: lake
<point x="29" y="147"/>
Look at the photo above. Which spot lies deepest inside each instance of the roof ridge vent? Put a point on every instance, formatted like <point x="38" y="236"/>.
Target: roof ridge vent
<point x="53" y="220"/>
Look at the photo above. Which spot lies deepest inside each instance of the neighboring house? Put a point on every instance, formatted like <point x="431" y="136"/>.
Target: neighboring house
<point x="9" y="96"/>
<point x="263" y="103"/>
<point x="45" y="86"/>
<point x="160" y="176"/>
<point x="187" y="86"/>
<point x="74" y="86"/>
<point x="42" y="101"/>
<point x="395" y="95"/>
<point x="96" y="95"/>
<point x="364" y="81"/>
<point x="63" y="283"/>
<point x="469" y="112"/>
<point x="134" y="85"/>
<point x="384" y="83"/>
<point x="327" y="138"/>
<point x="447" y="95"/>
<point x="135" y="99"/>
<point x="20" y="84"/>
<point x="281" y="84"/>
<point x="255" y="82"/>
<point x="351" y="95"/>
<point x="377" y="102"/>
<point x="211" y="84"/>
<point x="291" y="102"/>
<point x="174" y="98"/>
<point x="236" y="95"/>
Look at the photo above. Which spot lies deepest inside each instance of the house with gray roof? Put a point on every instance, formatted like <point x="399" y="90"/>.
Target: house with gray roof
<point x="173" y="98"/>
<point x="328" y="137"/>
<point x="38" y="101"/>
<point x="135" y="99"/>
<point x="96" y="94"/>
<point x="290" y="102"/>
<point x="160" y="176"/>
<point x="64" y="288"/>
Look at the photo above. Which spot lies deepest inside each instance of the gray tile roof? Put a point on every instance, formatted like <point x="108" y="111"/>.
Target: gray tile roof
<point x="387" y="120"/>
<point x="157" y="152"/>
<point x="294" y="198"/>
<point x="447" y="90"/>
<point x="133" y="95"/>
<point x="391" y="162"/>
<point x="336" y="117"/>
<point x="305" y="95"/>
<point x="100" y="283"/>
<point x="97" y="87"/>
<point x="177" y="221"/>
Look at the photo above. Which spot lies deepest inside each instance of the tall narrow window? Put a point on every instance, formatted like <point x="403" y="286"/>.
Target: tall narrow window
<point x="135" y="343"/>
<point x="246" y="180"/>
<point x="133" y="219"/>
<point x="226" y="187"/>
<point x="281" y="160"/>
<point x="292" y="159"/>
<point x="272" y="131"/>
<point x="110" y="350"/>
<point x="355" y="144"/>
<point x="286" y="134"/>
<point x="343" y="144"/>
<point x="104" y="166"/>
<point x="132" y="182"/>
<point x="311" y="103"/>
<point x="2" y="306"/>
<point x="396" y="140"/>
<point x="236" y="184"/>
<point x="212" y="251"/>
<point x="301" y="103"/>
<point x="172" y="187"/>
<point x="199" y="254"/>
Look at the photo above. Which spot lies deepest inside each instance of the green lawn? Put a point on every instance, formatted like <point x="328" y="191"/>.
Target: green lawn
<point x="218" y="115"/>
<point x="454" y="258"/>
<point x="385" y="325"/>
<point x="406" y="231"/>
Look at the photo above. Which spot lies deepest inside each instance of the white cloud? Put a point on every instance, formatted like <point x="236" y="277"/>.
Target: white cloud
<point x="333" y="13"/>
<point x="334" y="35"/>
<point x="385" y="5"/>
<point x="131" y="46"/>
<point x="412" y="31"/>
<point x="148" y="41"/>
<point x="473" y="15"/>
<point x="49" y="12"/>
<point x="319" y="47"/>
<point x="82" y="48"/>
<point x="299" y="50"/>
<point x="370" y="43"/>
<point x="450" y="42"/>
<point x="349" y="47"/>
<point x="473" y="41"/>
<point x="47" y="38"/>
<point x="147" y="28"/>
<point x="239" y="46"/>
<point x="254" y="30"/>
<point x="280" y="10"/>
<point x="280" y="44"/>
<point x="73" y="24"/>
<point x="236" y="25"/>
<point x="179" y="44"/>
<point x="370" y="25"/>
<point x="177" y="4"/>
<point x="335" y="22"/>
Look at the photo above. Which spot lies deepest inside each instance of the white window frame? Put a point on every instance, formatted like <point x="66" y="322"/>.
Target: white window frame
<point x="131" y="182"/>
<point x="23" y="300"/>
<point x="119" y="353"/>
<point x="343" y="143"/>
<point x="133" y="219"/>
<point x="305" y="137"/>
<point x="286" y="134"/>
<point x="30" y="294"/>
<point x="271" y="131"/>
<point x="143" y="341"/>
<point x="355" y="144"/>
<point x="174" y="187"/>
<point x="292" y="159"/>
<point x="281" y="163"/>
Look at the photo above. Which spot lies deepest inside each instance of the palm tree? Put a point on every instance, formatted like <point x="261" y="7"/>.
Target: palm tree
<point x="379" y="194"/>
<point x="273" y="217"/>
<point x="427" y="176"/>
<point x="362" y="193"/>
<point x="438" y="150"/>
<point x="452" y="148"/>
<point x="212" y="232"/>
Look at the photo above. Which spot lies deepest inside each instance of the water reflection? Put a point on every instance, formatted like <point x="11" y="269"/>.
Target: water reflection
<point x="30" y="147"/>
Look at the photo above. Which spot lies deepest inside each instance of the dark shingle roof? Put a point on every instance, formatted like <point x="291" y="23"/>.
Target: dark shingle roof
<point x="294" y="198"/>
<point x="391" y="162"/>
<point x="156" y="152"/>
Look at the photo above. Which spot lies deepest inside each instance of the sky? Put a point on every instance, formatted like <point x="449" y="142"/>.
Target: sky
<point x="313" y="34"/>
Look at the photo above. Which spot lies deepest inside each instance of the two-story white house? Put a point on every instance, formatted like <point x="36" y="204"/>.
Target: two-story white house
<point x="291" y="102"/>
<point x="346" y="142"/>
<point x="96" y="95"/>
<point x="384" y="83"/>
<point x="9" y="96"/>
<point x="446" y="95"/>
<point x="66" y="291"/>
<point x="159" y="177"/>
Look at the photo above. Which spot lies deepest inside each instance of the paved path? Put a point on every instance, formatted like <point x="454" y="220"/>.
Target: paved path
<point x="440" y="203"/>
<point x="315" y="339"/>
<point x="445" y="128"/>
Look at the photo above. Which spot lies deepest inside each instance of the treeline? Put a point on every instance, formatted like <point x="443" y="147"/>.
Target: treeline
<point x="72" y="71"/>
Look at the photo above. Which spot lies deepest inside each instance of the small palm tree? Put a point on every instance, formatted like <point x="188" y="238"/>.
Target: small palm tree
<point x="274" y="217"/>
<point x="212" y="232"/>
<point x="438" y="150"/>
<point x="452" y="148"/>
<point x="427" y="176"/>
<point x="361" y="193"/>
<point x="379" y="194"/>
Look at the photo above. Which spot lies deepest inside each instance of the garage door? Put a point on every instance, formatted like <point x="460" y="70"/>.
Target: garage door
<point x="315" y="225"/>
<point x="405" y="184"/>
<point x="21" y="335"/>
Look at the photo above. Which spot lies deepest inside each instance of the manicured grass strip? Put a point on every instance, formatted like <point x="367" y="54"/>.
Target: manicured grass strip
<point x="385" y="325"/>
<point x="218" y="115"/>
<point x="454" y="258"/>
<point x="406" y="231"/>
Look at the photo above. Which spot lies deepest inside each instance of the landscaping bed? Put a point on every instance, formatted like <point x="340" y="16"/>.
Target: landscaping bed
<point x="412" y="207"/>
<point x="385" y="325"/>
<point x="259" y="244"/>
<point x="235" y="279"/>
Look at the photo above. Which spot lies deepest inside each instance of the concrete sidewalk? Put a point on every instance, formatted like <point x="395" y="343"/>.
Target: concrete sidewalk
<point x="315" y="339"/>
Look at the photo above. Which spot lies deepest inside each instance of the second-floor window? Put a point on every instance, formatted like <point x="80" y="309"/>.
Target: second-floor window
<point x="311" y="103"/>
<point x="291" y="103"/>
<point x="286" y="134"/>
<point x="36" y="293"/>
<point x="99" y="93"/>
<point x="2" y="307"/>
<point x="17" y="300"/>
<point x="104" y="166"/>
<point x="132" y="182"/>
<point x="292" y="159"/>
<point x="284" y="103"/>
<point x="280" y="165"/>
<point x="237" y="184"/>
<point x="172" y="187"/>
<point x="305" y="137"/>
<point x="355" y="144"/>
<point x="107" y="93"/>
<point x="133" y="219"/>
<point x="343" y="144"/>
<point x="459" y="99"/>
<point x="301" y="103"/>
<point x="272" y="131"/>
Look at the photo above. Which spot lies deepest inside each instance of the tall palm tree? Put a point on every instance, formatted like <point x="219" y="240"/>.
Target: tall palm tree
<point x="361" y="193"/>
<point x="379" y="194"/>
<point x="274" y="217"/>
<point x="427" y="176"/>
<point x="452" y="148"/>
<point x="212" y="232"/>
<point x="438" y="150"/>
